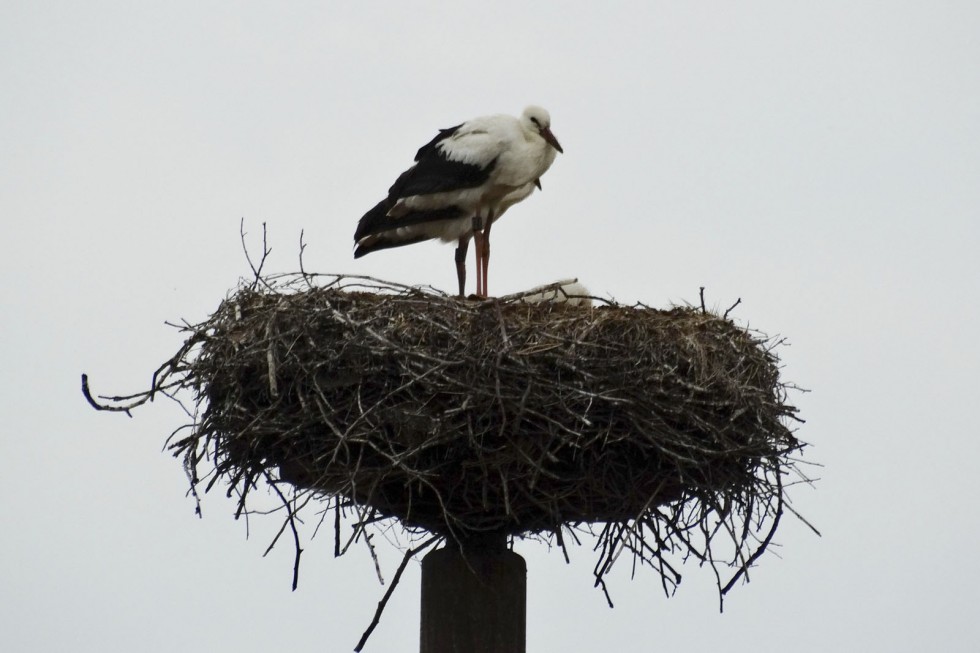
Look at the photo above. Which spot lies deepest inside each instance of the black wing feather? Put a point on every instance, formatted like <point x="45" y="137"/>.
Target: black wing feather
<point x="385" y="243"/>
<point x="376" y="220"/>
<point x="434" y="173"/>
<point x="431" y="145"/>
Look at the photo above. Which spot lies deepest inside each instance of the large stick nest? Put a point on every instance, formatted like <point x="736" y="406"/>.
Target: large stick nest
<point x="654" y="429"/>
<point x="467" y="417"/>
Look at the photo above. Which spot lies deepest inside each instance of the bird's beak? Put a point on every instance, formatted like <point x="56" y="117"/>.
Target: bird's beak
<point x="537" y="182"/>
<point x="548" y="136"/>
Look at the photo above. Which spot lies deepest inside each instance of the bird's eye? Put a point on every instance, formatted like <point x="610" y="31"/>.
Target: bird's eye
<point x="535" y="121"/>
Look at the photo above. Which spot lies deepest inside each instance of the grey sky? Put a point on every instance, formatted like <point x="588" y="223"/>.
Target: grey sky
<point x="818" y="160"/>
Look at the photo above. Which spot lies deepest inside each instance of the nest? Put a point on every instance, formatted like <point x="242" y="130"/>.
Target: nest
<point x="654" y="430"/>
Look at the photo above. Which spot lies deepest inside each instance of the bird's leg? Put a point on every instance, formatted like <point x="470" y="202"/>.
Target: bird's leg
<point x="464" y="244"/>
<point x="486" y="253"/>
<point x="478" y="236"/>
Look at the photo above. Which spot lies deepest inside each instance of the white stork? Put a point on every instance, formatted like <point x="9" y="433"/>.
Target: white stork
<point x="462" y="181"/>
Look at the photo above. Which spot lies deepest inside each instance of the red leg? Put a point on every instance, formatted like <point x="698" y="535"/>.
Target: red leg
<point x="478" y="236"/>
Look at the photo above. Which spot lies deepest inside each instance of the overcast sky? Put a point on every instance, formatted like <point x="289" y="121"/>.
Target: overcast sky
<point x="819" y="160"/>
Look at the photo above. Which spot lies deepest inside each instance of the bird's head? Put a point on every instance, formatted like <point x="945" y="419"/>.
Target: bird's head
<point x="538" y="120"/>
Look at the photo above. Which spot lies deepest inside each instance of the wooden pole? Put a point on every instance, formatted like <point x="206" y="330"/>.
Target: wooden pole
<point x="474" y="599"/>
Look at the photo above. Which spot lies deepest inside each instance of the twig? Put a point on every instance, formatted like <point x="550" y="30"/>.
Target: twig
<point x="730" y="308"/>
<point x="411" y="553"/>
<point x="256" y="269"/>
<point x="336" y="528"/>
<point x="291" y="519"/>
<point x="302" y="250"/>
<point x="602" y="583"/>
<point x="97" y="406"/>
<point x="374" y="556"/>
<point x="765" y="542"/>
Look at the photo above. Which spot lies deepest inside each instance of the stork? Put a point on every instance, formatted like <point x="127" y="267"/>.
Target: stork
<point x="462" y="182"/>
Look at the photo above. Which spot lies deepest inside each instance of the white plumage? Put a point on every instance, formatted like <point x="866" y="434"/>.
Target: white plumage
<point x="462" y="181"/>
<point x="569" y="291"/>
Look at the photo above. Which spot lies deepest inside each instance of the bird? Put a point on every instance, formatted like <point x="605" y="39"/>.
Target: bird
<point x="462" y="181"/>
<point x="567" y="291"/>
